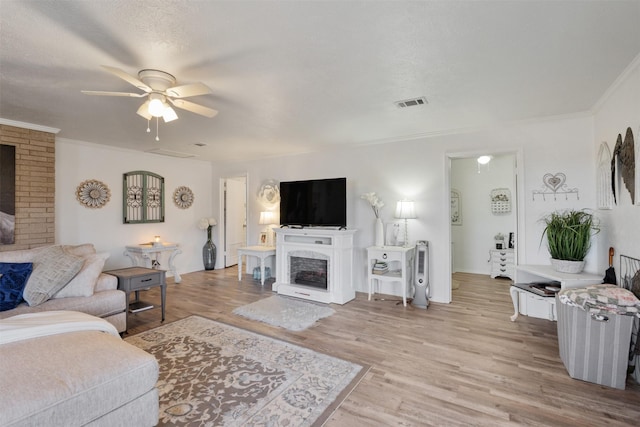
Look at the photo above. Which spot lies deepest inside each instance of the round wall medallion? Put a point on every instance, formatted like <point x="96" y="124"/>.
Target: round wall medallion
<point x="183" y="197"/>
<point x="269" y="193"/>
<point x="93" y="193"/>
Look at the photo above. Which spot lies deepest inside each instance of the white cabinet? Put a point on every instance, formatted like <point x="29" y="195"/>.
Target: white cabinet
<point x="398" y="260"/>
<point x="502" y="263"/>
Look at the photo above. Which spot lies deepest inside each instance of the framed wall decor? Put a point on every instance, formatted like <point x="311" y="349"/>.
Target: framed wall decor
<point x="143" y="197"/>
<point x="7" y="194"/>
<point x="456" y="208"/>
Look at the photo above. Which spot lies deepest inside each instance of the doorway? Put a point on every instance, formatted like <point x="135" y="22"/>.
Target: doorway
<point x="234" y="228"/>
<point x="475" y="221"/>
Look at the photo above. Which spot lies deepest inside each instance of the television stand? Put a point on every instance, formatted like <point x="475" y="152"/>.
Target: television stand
<point x="315" y="244"/>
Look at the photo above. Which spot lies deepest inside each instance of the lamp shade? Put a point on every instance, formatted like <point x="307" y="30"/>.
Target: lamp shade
<point x="267" y="217"/>
<point x="405" y="209"/>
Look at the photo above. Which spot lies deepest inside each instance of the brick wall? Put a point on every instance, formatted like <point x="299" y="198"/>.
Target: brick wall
<point x="35" y="186"/>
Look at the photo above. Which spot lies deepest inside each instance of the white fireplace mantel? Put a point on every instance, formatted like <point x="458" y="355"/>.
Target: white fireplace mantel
<point x="334" y="245"/>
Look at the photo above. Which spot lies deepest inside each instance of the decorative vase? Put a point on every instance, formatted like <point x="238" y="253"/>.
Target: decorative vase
<point x="209" y="252"/>
<point x="379" y="233"/>
<point x="564" y="266"/>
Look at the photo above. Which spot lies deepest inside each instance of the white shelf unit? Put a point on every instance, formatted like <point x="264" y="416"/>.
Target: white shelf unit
<point x="399" y="260"/>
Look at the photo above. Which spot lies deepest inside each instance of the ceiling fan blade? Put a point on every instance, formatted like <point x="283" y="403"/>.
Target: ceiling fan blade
<point x="128" y="78"/>
<point x="194" y="108"/>
<point x="186" y="91"/>
<point x="105" y="93"/>
<point x="144" y="110"/>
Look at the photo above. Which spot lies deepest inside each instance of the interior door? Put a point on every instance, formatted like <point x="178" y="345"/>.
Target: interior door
<point x="235" y="218"/>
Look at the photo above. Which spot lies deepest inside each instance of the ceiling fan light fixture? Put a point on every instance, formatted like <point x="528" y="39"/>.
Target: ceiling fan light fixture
<point x="169" y="114"/>
<point x="144" y="110"/>
<point x="483" y="160"/>
<point x="156" y="105"/>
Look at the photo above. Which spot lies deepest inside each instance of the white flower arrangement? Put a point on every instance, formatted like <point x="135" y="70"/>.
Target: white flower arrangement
<point x="205" y="223"/>
<point x="374" y="201"/>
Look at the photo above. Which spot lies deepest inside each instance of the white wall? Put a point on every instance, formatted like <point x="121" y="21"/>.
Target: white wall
<point x="473" y="239"/>
<point x="618" y="110"/>
<point x="418" y="169"/>
<point x="78" y="161"/>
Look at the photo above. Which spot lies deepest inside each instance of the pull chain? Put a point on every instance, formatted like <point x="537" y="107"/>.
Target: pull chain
<point x="157" y="137"/>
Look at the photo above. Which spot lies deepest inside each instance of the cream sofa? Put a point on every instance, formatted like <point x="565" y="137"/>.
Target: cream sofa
<point x="77" y="378"/>
<point x="89" y="291"/>
<point x="80" y="378"/>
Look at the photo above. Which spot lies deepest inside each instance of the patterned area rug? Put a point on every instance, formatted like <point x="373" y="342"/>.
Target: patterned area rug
<point x="289" y="313"/>
<point x="213" y="374"/>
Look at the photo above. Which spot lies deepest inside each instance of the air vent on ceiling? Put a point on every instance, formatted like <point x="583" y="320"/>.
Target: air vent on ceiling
<point x="413" y="102"/>
<point x="170" y="153"/>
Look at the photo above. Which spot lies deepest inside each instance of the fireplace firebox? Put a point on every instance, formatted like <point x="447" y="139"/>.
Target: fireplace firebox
<point x="309" y="271"/>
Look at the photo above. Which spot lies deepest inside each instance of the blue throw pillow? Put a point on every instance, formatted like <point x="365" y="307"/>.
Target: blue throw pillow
<point x="13" y="278"/>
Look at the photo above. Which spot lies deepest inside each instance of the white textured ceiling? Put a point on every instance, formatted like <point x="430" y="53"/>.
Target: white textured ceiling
<point x="299" y="76"/>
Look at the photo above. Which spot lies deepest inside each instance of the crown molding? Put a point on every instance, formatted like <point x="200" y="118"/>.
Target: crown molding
<point x="30" y="126"/>
<point x="621" y="78"/>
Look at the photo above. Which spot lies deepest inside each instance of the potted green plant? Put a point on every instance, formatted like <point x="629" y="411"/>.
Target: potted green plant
<point x="569" y="238"/>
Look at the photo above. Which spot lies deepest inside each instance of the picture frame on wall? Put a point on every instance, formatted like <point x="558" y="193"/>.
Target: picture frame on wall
<point x="263" y="238"/>
<point x="456" y="208"/>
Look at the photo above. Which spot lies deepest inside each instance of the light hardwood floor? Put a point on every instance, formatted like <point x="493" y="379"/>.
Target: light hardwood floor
<point x="463" y="363"/>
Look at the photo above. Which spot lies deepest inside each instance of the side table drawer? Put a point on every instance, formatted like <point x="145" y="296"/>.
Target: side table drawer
<point x="143" y="282"/>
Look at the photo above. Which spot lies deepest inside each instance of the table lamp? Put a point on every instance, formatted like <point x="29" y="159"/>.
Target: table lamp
<point x="405" y="209"/>
<point x="268" y="218"/>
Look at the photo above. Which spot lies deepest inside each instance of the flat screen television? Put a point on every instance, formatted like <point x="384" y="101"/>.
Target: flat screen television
<point x="314" y="203"/>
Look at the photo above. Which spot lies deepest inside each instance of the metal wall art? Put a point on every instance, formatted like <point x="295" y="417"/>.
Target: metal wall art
<point x="624" y="156"/>
<point x="269" y="194"/>
<point x="93" y="194"/>
<point x="554" y="184"/>
<point x="143" y="197"/>
<point x="183" y="197"/>
<point x="604" y="195"/>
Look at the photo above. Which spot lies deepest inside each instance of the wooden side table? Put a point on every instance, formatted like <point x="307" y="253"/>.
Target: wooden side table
<point x="136" y="279"/>
<point x="146" y="255"/>
<point x="261" y="252"/>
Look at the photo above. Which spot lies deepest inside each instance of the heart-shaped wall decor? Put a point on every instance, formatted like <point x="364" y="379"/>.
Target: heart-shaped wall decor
<point x="554" y="182"/>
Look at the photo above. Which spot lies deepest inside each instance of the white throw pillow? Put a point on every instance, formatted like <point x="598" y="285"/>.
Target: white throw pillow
<point x="52" y="269"/>
<point x="84" y="283"/>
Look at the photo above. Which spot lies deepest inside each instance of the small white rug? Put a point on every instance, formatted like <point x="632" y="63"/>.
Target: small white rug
<point x="289" y="313"/>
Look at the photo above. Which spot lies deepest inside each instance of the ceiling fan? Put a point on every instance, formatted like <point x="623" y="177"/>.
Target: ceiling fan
<point x="159" y="87"/>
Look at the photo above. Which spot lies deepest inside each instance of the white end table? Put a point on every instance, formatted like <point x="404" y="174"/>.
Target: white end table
<point x="261" y="252"/>
<point x="399" y="259"/>
<point x="146" y="255"/>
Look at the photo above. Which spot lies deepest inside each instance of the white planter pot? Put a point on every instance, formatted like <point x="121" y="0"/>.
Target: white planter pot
<point x="379" y="233"/>
<point x="563" y="266"/>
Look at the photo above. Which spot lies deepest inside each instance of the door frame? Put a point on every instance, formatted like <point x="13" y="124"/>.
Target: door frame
<point x="518" y="170"/>
<point x="222" y="214"/>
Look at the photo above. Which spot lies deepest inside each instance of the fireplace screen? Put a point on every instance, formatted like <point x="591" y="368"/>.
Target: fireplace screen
<point x="309" y="271"/>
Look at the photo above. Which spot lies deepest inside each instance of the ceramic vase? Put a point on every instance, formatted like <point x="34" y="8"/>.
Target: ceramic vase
<point x="563" y="266"/>
<point x="379" y="233"/>
<point x="209" y="252"/>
